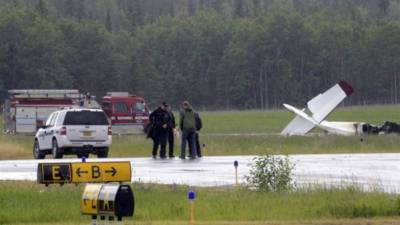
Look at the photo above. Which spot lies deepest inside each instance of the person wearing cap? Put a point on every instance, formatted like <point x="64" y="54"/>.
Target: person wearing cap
<point x="159" y="120"/>
<point x="187" y="124"/>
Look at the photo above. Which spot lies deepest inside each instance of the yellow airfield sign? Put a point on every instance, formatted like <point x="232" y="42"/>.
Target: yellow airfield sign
<point x="112" y="199"/>
<point x="107" y="199"/>
<point x="89" y="203"/>
<point x="101" y="172"/>
<point x="85" y="172"/>
<point x="54" y="173"/>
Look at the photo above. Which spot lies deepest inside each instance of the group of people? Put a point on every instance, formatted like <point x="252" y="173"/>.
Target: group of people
<point x="162" y="129"/>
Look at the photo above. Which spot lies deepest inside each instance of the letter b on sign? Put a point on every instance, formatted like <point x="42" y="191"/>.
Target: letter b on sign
<point x="96" y="172"/>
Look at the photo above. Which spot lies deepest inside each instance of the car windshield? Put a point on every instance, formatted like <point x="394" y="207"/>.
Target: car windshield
<point x="85" y="118"/>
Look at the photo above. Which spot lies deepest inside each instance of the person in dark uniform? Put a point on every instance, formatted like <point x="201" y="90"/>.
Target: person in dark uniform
<point x="159" y="120"/>
<point x="171" y="131"/>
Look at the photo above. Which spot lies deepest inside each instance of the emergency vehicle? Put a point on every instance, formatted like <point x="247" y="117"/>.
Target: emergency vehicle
<point x="74" y="131"/>
<point x="25" y="111"/>
<point x="127" y="113"/>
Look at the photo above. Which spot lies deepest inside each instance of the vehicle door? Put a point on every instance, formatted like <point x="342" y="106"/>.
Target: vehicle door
<point x="25" y="119"/>
<point x="49" y="131"/>
<point x="41" y="132"/>
<point x="122" y="113"/>
<point x="139" y="112"/>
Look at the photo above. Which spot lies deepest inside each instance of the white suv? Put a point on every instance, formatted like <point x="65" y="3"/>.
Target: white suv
<point x="74" y="131"/>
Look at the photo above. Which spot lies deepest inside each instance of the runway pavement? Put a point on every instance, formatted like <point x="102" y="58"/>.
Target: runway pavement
<point x="368" y="171"/>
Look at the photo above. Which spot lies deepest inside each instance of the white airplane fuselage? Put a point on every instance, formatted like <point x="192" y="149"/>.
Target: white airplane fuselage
<point x="336" y="127"/>
<point x="319" y="108"/>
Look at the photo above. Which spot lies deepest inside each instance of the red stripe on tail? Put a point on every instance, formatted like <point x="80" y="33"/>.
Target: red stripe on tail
<point x="346" y="87"/>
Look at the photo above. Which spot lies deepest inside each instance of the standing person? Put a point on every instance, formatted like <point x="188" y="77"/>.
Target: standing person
<point x="171" y="132"/>
<point x="159" y="120"/>
<point x="187" y="123"/>
<point x="199" y="125"/>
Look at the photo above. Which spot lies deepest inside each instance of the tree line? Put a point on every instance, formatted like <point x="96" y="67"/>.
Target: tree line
<point x="218" y="54"/>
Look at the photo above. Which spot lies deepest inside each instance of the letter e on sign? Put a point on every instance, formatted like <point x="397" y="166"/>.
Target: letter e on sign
<point x="54" y="173"/>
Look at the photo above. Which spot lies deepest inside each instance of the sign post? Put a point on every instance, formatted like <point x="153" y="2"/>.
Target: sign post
<point x="94" y="220"/>
<point x="111" y="220"/>
<point x="191" y="198"/>
<point x="236" y="165"/>
<point x="204" y="149"/>
<point x="103" y="220"/>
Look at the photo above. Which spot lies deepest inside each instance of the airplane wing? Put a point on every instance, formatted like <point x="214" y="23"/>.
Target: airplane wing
<point x="325" y="103"/>
<point x="298" y="126"/>
<point x="342" y="128"/>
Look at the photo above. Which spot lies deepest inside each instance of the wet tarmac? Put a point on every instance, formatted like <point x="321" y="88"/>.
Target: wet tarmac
<point x="367" y="171"/>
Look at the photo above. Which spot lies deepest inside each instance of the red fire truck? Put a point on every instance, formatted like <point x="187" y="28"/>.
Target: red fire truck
<point x="26" y="110"/>
<point x="127" y="113"/>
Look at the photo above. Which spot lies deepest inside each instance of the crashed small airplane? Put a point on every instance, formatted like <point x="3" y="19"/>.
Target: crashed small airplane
<point x="321" y="106"/>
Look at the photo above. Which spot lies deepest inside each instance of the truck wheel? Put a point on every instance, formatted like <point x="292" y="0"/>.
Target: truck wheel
<point x="55" y="151"/>
<point x="102" y="153"/>
<point x="37" y="154"/>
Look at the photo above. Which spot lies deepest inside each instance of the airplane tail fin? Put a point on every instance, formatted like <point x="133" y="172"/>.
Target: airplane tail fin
<point x="320" y="106"/>
<point x="323" y="104"/>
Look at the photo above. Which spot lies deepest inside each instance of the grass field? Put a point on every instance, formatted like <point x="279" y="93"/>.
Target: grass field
<point x="30" y="203"/>
<point x="220" y="139"/>
<point x="375" y="221"/>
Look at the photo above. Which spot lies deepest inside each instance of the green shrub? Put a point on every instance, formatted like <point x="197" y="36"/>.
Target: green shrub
<point x="270" y="173"/>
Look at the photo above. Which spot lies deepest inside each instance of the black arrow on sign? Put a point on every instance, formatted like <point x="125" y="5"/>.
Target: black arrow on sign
<point x="113" y="171"/>
<point x="78" y="171"/>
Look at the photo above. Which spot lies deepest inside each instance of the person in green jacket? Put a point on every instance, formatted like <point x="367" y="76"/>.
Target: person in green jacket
<point x="187" y="123"/>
